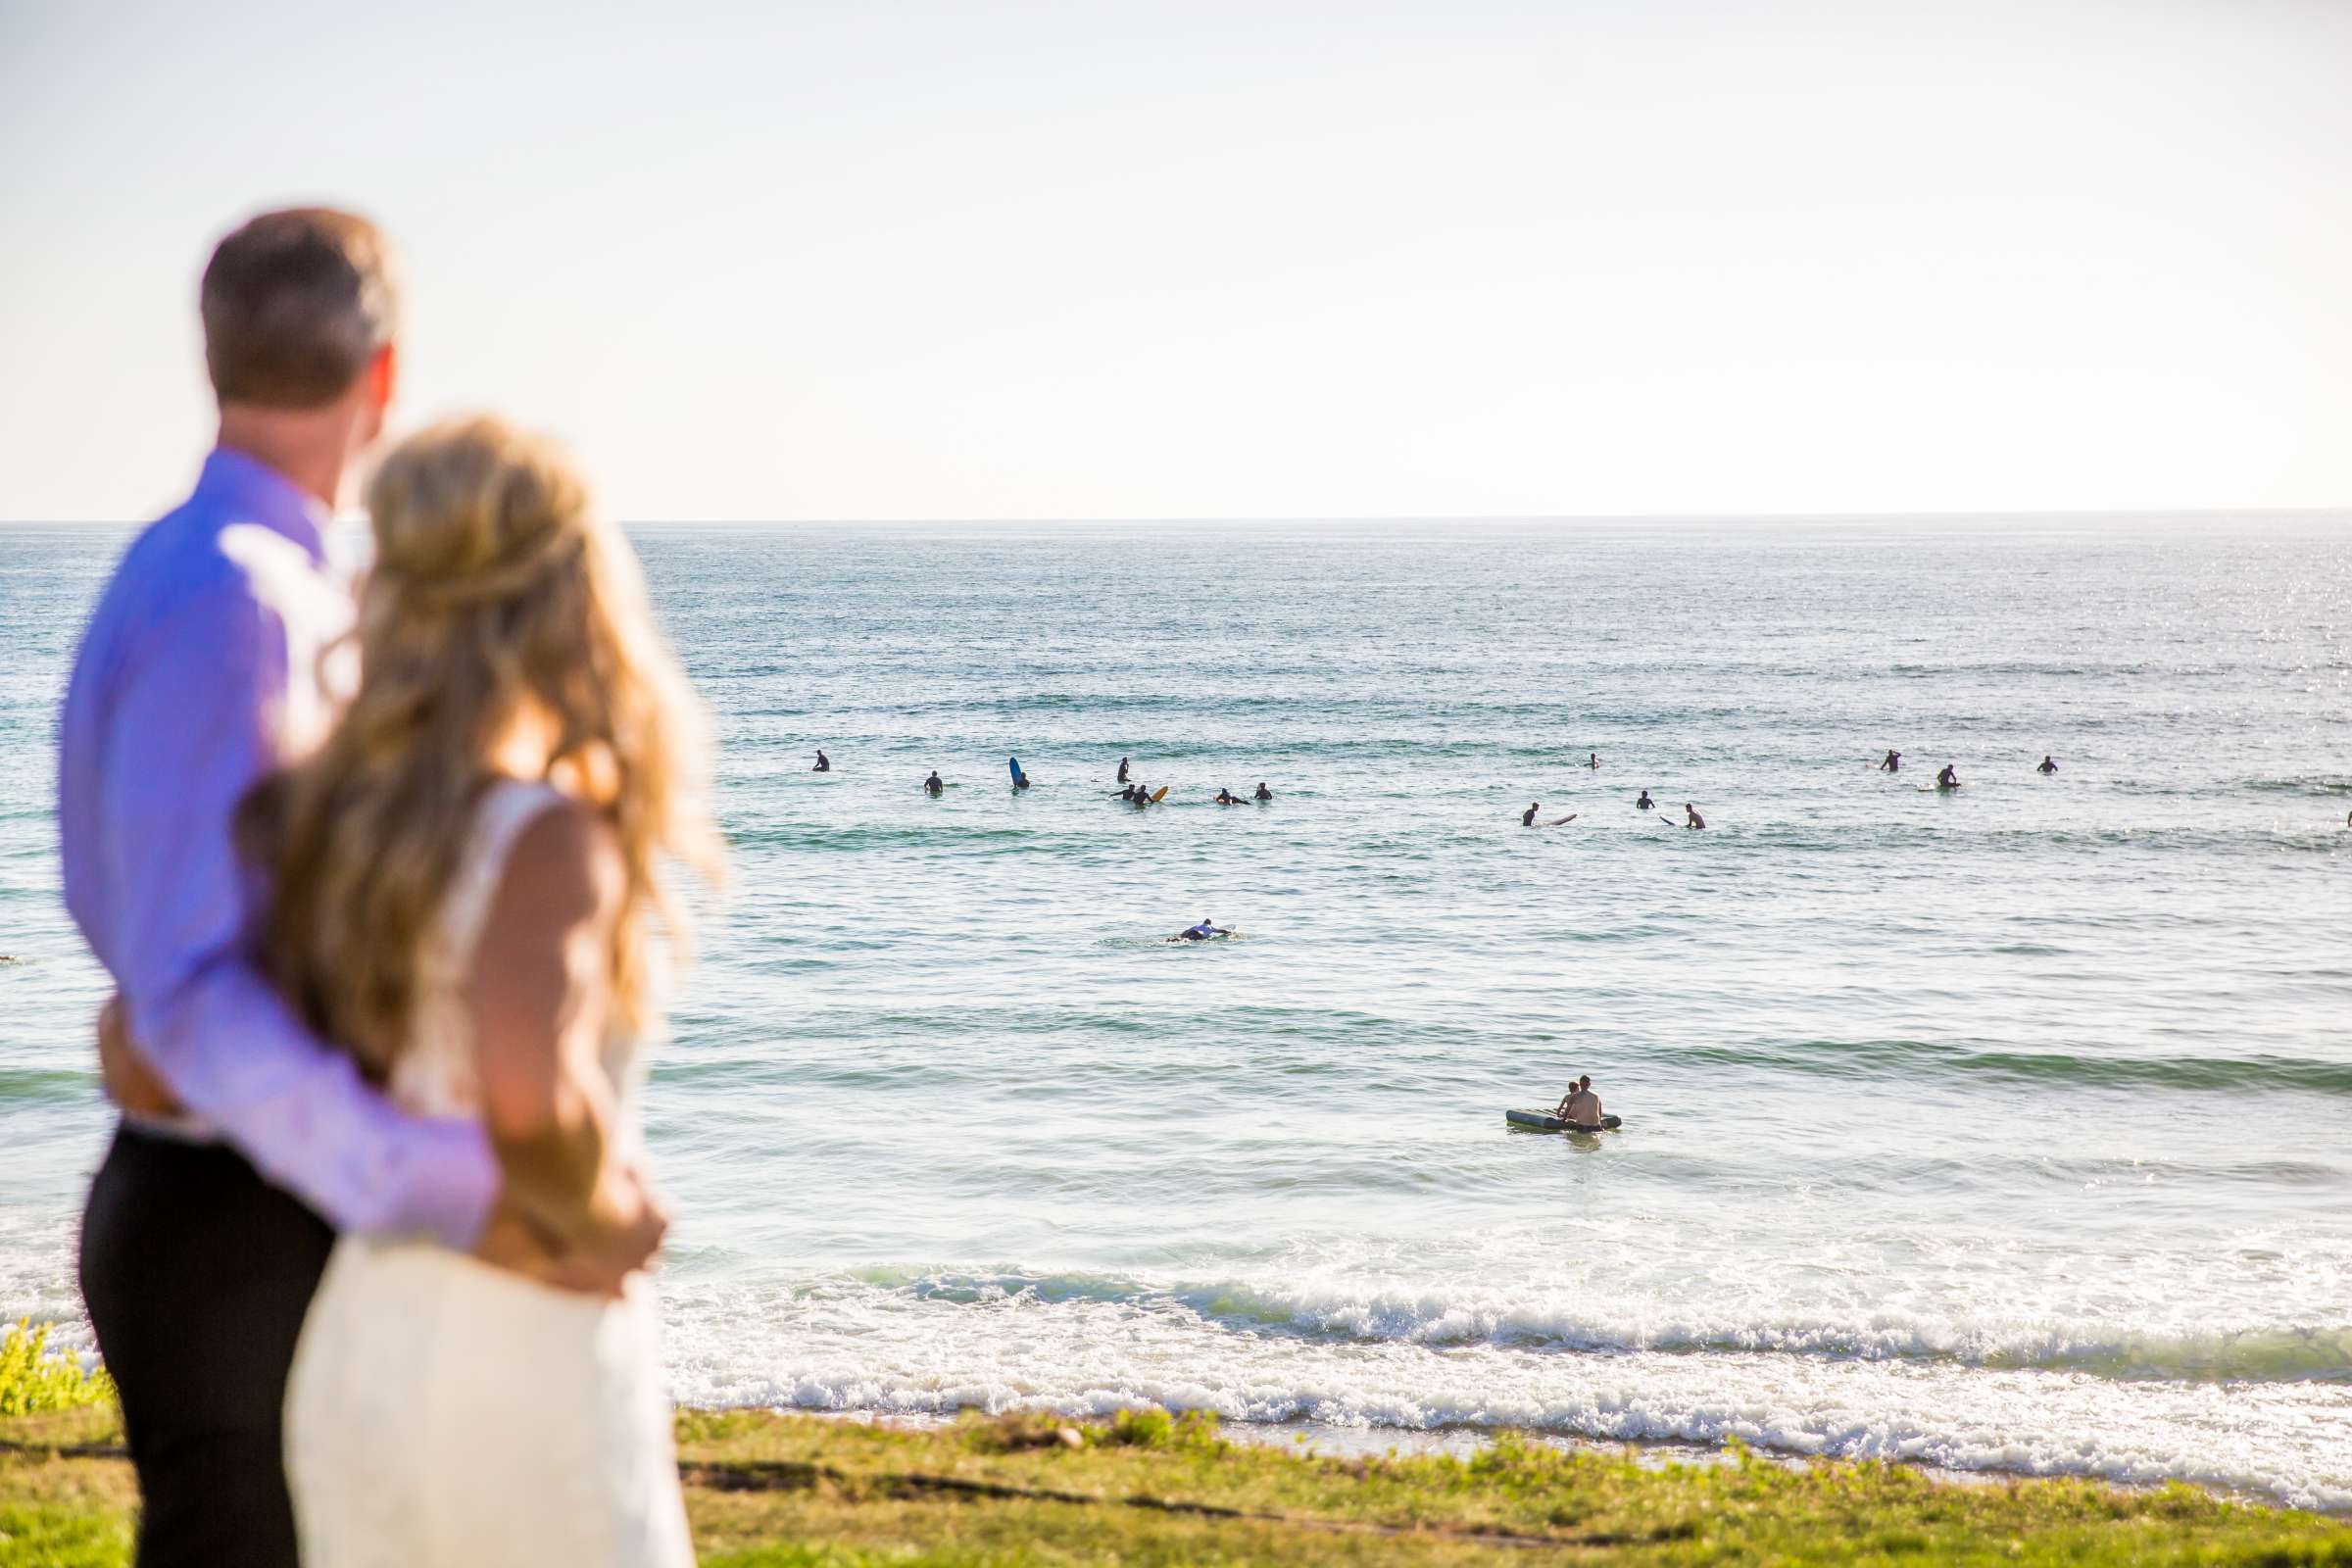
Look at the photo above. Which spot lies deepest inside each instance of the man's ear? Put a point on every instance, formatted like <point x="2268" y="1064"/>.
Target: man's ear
<point x="383" y="376"/>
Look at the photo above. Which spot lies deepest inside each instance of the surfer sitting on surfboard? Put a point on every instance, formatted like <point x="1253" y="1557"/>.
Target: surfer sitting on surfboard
<point x="1528" y="817"/>
<point x="1580" y="1107"/>
<point x="1695" y="820"/>
<point x="1202" y="932"/>
<point x="1949" y="778"/>
<point x="823" y="764"/>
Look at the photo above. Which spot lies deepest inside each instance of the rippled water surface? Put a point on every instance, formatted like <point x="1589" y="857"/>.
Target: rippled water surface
<point x="2003" y="1128"/>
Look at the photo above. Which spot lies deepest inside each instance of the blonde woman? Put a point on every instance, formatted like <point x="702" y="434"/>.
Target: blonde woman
<point x="461" y="880"/>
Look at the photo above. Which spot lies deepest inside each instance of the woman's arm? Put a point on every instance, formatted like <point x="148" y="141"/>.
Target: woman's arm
<point x="540" y="994"/>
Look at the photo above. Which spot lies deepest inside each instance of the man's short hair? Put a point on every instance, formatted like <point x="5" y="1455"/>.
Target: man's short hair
<point x="296" y="304"/>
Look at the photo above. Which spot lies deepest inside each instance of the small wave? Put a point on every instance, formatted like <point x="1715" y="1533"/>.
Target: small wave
<point x="2318" y="1353"/>
<point x="1872" y="1058"/>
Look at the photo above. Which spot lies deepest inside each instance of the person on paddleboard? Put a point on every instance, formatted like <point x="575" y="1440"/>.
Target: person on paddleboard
<point x="1644" y="803"/>
<point x="1692" y="816"/>
<point x="1949" y="778"/>
<point x="1580" y="1107"/>
<point x="933" y="785"/>
<point x="2047" y="766"/>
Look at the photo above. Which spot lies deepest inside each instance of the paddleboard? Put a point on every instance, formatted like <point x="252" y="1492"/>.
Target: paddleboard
<point x="1544" y="1122"/>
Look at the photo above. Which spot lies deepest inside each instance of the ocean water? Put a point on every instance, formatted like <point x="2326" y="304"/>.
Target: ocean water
<point x="2005" y="1129"/>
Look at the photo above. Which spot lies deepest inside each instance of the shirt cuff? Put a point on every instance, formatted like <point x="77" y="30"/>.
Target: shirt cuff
<point x="450" y="1185"/>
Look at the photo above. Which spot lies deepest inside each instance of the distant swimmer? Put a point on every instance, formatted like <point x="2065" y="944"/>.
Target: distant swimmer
<point x="1228" y="797"/>
<point x="824" y="764"/>
<point x="2047" y="766"/>
<point x="1695" y="820"/>
<point x="932" y="785"/>
<point x="1580" y="1107"/>
<point x="1592" y="761"/>
<point x="1263" y="793"/>
<point x="1644" y="803"/>
<point x="1201" y="933"/>
<point x="1528" y="817"/>
<point x="1122" y="770"/>
<point x="1949" y="778"/>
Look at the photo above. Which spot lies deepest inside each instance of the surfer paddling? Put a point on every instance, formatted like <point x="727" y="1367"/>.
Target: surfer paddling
<point x="1200" y="933"/>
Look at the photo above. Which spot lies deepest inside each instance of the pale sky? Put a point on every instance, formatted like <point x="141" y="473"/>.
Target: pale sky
<point x="849" y="262"/>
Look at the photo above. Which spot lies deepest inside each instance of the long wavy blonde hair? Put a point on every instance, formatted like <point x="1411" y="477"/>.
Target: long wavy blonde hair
<point x="498" y="599"/>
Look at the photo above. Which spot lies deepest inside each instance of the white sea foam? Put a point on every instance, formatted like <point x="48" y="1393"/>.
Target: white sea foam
<point x="850" y="1346"/>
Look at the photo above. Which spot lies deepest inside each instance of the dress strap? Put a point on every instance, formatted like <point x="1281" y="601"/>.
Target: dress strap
<point x="506" y="807"/>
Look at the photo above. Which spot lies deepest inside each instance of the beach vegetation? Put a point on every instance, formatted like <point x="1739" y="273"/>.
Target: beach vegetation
<point x="34" y="1378"/>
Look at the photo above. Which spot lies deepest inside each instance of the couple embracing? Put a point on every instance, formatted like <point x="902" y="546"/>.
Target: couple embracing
<point x="373" y="878"/>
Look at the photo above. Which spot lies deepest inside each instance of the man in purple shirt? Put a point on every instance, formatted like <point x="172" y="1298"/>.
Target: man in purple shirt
<point x="210" y="660"/>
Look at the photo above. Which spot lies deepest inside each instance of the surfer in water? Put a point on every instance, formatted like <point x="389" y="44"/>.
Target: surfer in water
<point x="1693" y="819"/>
<point x="2047" y="766"/>
<point x="1128" y="792"/>
<point x="1592" y="762"/>
<point x="1226" y="797"/>
<point x="1200" y="933"/>
<point x="1580" y="1107"/>
<point x="1263" y="793"/>
<point x="933" y="785"/>
<point x="1949" y="778"/>
<point x="1527" y="818"/>
<point x="1644" y="803"/>
<point x="824" y="764"/>
<point x="1893" y="762"/>
<point x="1122" y="770"/>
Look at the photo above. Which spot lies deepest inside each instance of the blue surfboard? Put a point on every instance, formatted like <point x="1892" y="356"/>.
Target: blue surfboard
<point x="1017" y="778"/>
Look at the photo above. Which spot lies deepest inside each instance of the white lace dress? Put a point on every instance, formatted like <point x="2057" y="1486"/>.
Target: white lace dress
<point x="441" y="1412"/>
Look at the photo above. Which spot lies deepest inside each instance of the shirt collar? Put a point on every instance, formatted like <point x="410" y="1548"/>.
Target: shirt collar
<point x="261" y="494"/>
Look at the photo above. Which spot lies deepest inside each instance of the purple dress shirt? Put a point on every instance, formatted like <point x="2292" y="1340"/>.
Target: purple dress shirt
<point x="201" y="670"/>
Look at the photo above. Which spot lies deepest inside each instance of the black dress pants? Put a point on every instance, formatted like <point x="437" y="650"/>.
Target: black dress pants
<point x="197" y="1273"/>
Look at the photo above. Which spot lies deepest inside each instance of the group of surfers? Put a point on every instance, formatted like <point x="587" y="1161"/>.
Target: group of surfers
<point x="1948" y="778"/>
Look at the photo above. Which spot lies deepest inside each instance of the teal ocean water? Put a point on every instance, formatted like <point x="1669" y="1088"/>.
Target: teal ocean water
<point x="2000" y="1129"/>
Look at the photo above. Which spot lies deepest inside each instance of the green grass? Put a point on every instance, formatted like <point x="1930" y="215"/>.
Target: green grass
<point x="1147" y="1490"/>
